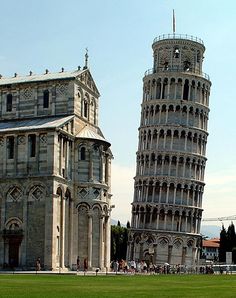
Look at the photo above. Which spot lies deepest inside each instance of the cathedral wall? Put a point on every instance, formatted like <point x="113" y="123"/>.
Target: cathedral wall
<point x="35" y="231"/>
<point x="23" y="216"/>
<point x="28" y="100"/>
<point x="18" y="158"/>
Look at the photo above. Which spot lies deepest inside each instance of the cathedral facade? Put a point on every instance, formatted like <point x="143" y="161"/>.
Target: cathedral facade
<point x="55" y="199"/>
<point x="171" y="157"/>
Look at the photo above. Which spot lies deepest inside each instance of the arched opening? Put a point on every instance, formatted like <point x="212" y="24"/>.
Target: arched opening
<point x="164" y="87"/>
<point x="82" y="153"/>
<point x="13" y="236"/>
<point x="158" y="92"/>
<point x="186" y="90"/>
<point x="85" y="109"/>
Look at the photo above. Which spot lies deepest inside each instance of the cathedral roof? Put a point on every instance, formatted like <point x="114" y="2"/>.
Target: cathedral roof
<point x="42" y="77"/>
<point x="87" y="133"/>
<point x="32" y="124"/>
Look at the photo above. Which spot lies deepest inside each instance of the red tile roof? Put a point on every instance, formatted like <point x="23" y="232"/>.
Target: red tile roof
<point x="214" y="242"/>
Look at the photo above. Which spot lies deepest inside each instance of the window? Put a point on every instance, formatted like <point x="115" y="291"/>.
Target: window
<point x="10" y="147"/>
<point x="32" y="145"/>
<point x="9" y="103"/>
<point x="45" y="99"/>
<point x="85" y="109"/>
<point x="82" y="153"/>
<point x="176" y="52"/>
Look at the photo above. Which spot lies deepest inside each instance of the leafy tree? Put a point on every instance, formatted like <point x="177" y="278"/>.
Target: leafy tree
<point x="119" y="238"/>
<point x="118" y="223"/>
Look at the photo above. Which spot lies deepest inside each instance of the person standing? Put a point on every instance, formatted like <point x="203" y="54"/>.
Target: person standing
<point x="85" y="264"/>
<point x="38" y="264"/>
<point x="78" y="263"/>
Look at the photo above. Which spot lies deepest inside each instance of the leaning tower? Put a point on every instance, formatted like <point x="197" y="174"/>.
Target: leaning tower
<point x="171" y="156"/>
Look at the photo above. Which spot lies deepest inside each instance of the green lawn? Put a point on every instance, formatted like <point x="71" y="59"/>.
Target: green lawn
<point x="43" y="286"/>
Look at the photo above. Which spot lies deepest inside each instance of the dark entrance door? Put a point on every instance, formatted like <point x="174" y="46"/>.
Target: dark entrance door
<point x="14" y="245"/>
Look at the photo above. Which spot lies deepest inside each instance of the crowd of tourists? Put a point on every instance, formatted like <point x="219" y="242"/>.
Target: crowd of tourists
<point x="143" y="267"/>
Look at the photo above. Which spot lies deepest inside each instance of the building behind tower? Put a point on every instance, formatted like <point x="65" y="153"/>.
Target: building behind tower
<point x="171" y="156"/>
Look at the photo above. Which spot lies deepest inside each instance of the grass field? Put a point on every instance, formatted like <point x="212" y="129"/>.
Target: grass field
<point x="44" y="286"/>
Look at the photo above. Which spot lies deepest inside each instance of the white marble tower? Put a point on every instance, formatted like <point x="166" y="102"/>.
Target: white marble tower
<point x="171" y="156"/>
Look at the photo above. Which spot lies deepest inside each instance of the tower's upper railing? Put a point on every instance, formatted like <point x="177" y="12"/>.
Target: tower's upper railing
<point x="190" y="71"/>
<point x="178" y="36"/>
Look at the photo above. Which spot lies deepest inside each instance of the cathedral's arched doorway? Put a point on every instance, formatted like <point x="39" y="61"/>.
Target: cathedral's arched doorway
<point x="14" y="251"/>
<point x="13" y="235"/>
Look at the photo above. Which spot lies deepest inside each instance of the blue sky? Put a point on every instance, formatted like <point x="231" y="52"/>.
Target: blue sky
<point x="36" y="35"/>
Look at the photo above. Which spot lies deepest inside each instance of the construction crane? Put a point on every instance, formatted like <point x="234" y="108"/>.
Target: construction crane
<point x="232" y="217"/>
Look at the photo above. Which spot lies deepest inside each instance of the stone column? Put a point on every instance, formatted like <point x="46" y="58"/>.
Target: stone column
<point x="70" y="236"/>
<point x="60" y="154"/>
<point x="183" y="256"/>
<point x="107" y="242"/>
<point x="186" y="223"/>
<point x="188" y="196"/>
<point x="165" y="217"/>
<point x="24" y="227"/>
<point x="101" y="247"/>
<point x="157" y="224"/>
<point x="106" y="169"/>
<point x="62" y="233"/>
<point x="172" y="221"/>
<point x="167" y="193"/>
<point x="90" y="165"/>
<point x="160" y="193"/>
<point x="164" y="141"/>
<point x="172" y="139"/>
<point x="170" y="247"/>
<point x="180" y="220"/>
<point x="153" y="192"/>
<point x="102" y="180"/>
<point x="175" y="188"/>
<point x="90" y="239"/>
<point x="181" y="195"/>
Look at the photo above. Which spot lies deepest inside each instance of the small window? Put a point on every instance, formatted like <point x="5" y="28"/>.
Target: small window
<point x="9" y="103"/>
<point x="32" y="145"/>
<point x="176" y="52"/>
<point x="10" y="147"/>
<point x="82" y="153"/>
<point x="85" y="109"/>
<point x="45" y="99"/>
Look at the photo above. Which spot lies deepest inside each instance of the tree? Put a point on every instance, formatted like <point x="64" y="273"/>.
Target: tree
<point x="231" y="237"/>
<point x="128" y="225"/>
<point x="223" y="245"/>
<point x="227" y="243"/>
<point x="118" y="223"/>
<point x="119" y="238"/>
